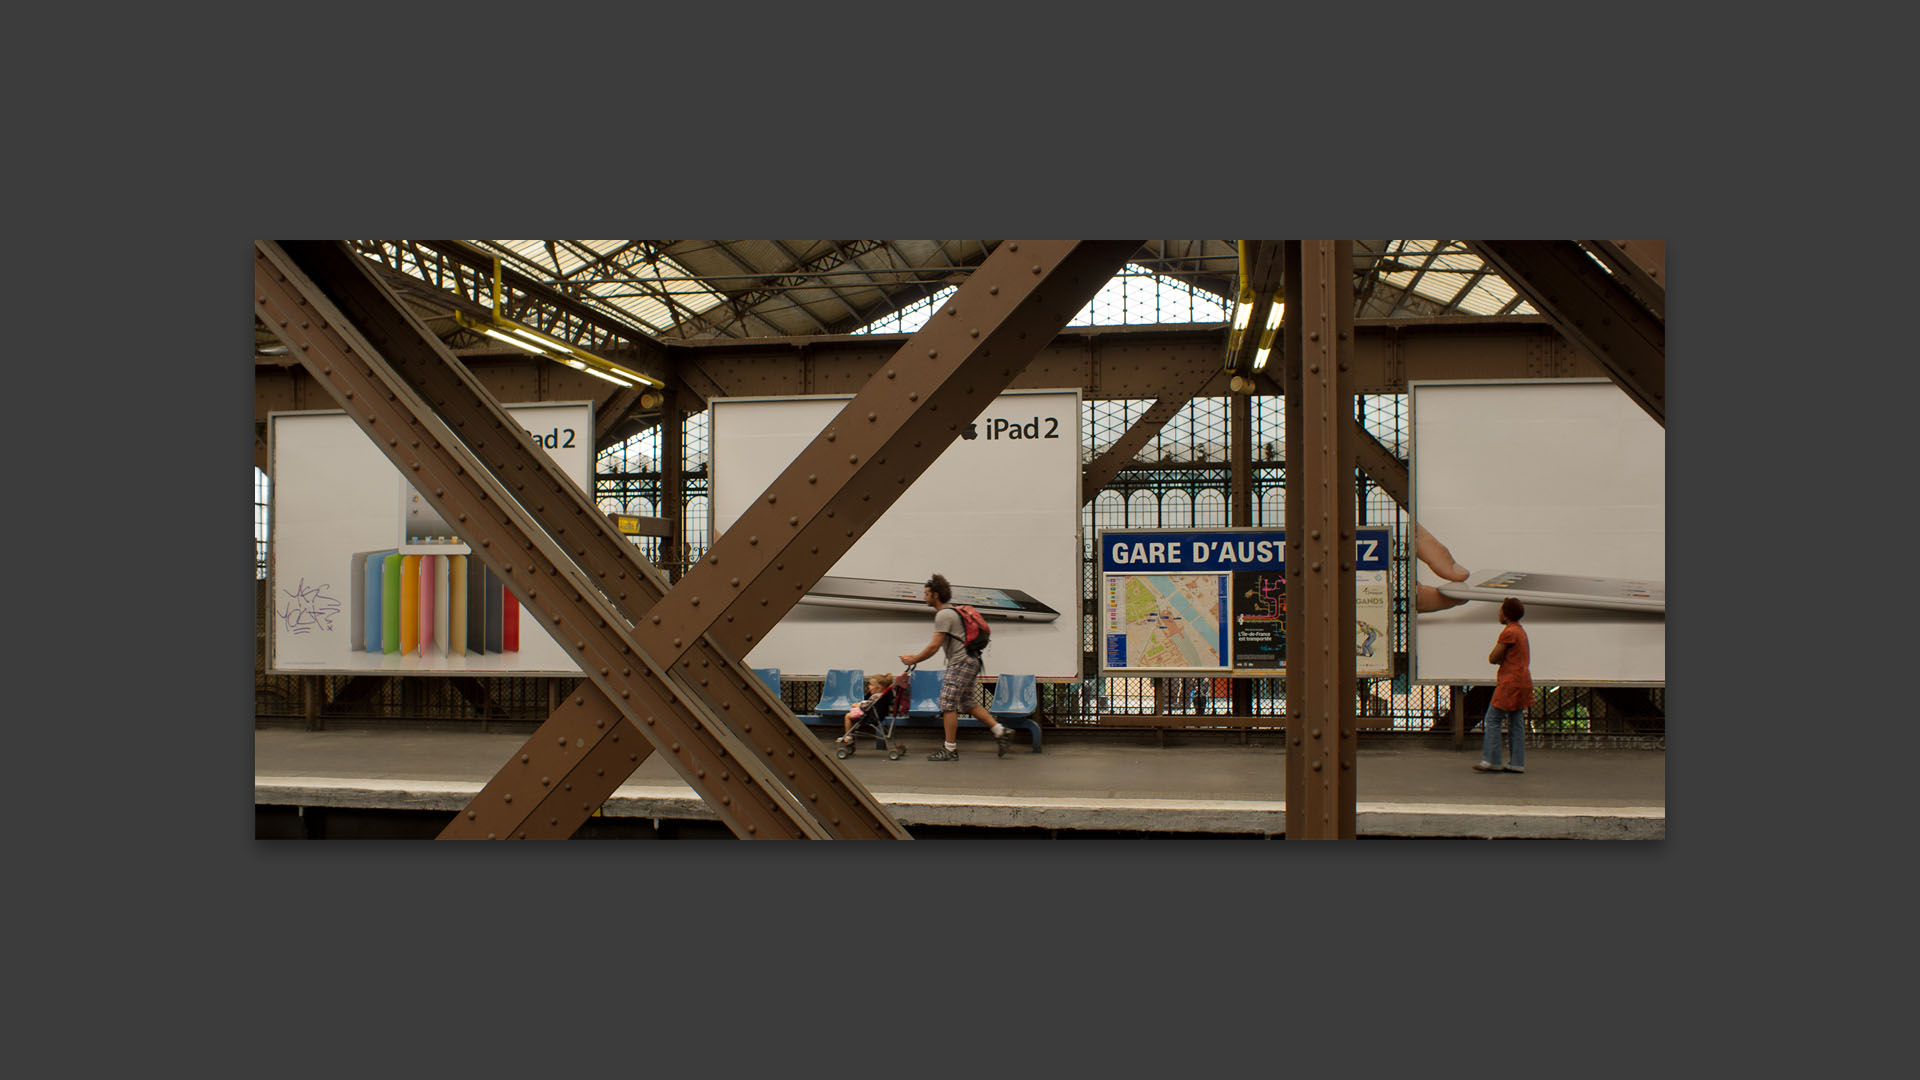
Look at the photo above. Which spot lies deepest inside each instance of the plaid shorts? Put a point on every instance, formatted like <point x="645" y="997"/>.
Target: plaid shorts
<point x="956" y="688"/>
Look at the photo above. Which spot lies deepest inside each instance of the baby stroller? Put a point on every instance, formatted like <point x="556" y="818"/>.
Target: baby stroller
<point x="875" y="717"/>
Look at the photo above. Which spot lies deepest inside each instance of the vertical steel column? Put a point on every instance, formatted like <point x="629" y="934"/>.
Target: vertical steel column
<point x="1320" y="540"/>
<point x="673" y="482"/>
<point x="1240" y="449"/>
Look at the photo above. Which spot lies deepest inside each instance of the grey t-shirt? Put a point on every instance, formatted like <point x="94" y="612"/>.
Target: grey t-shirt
<point x="947" y="621"/>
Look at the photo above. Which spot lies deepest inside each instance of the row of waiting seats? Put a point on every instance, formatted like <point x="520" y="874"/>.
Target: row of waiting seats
<point x="1015" y="699"/>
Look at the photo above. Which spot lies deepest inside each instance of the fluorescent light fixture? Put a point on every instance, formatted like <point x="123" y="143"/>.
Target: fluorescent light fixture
<point x="1241" y="312"/>
<point x="552" y="349"/>
<point x="513" y="341"/>
<point x="1273" y="313"/>
<point x="1260" y="358"/>
<point x="604" y="375"/>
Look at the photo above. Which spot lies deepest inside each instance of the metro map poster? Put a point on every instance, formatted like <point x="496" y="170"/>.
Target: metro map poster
<point x="1214" y="602"/>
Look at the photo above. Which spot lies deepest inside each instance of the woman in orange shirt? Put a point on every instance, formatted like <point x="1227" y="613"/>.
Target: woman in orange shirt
<point x="1512" y="691"/>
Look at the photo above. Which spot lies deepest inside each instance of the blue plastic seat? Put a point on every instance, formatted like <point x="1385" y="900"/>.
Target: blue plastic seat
<point x="923" y="693"/>
<point x="770" y="676"/>
<point x="844" y="688"/>
<point x="1014" y="697"/>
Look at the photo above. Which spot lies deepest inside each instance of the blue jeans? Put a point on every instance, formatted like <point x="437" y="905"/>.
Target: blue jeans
<point x="1516" y="720"/>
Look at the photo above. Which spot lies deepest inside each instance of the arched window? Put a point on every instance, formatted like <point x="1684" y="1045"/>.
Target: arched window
<point x="1273" y="509"/>
<point x="1143" y="511"/>
<point x="1176" y="510"/>
<point x="1210" y="510"/>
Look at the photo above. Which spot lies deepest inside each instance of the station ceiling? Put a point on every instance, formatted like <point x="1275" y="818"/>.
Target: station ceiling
<point x="710" y="290"/>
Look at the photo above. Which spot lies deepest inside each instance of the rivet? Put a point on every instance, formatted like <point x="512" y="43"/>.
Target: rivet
<point x="1316" y="766"/>
<point x="523" y="759"/>
<point x="974" y="333"/>
<point x="546" y="781"/>
<point x="890" y="373"/>
<point x="993" y="290"/>
<point x="793" y="521"/>
<point x="853" y="459"/>
<point x="509" y="798"/>
<point x="696" y="601"/>
<point x="932" y="354"/>
<point x="656" y="620"/>
<point x="1036" y="268"/>
<point x="736" y="583"/>
<point x="563" y="740"/>
<point x="1316" y="566"/>
<point x="469" y="815"/>
<point x="1313" y="335"/>
<point x="872" y="416"/>
<point x="752" y="540"/>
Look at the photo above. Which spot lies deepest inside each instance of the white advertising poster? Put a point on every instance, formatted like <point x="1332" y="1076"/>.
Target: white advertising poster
<point x="997" y="514"/>
<point x="1553" y="491"/>
<point x="364" y="576"/>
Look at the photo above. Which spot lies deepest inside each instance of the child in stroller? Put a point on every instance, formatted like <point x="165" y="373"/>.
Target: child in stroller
<point x="886" y="699"/>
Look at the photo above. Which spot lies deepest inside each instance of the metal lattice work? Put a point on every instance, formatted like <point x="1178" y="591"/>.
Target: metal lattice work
<point x="627" y="480"/>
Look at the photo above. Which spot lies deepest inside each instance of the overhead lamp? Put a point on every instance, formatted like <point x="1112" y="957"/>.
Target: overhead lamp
<point x="520" y="337"/>
<point x="1274" y="312"/>
<point x="527" y="339"/>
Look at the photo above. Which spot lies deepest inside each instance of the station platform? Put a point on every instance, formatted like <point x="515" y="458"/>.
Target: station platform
<point x="1083" y="783"/>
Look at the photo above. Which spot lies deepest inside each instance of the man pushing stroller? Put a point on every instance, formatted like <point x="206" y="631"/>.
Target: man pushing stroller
<point x="951" y="634"/>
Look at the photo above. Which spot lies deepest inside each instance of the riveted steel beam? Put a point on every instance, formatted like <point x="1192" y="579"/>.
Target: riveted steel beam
<point x="1150" y="362"/>
<point x="1318" y="334"/>
<point x="1593" y="309"/>
<point x="723" y="733"/>
<point x="1105" y="364"/>
<point x="1642" y="265"/>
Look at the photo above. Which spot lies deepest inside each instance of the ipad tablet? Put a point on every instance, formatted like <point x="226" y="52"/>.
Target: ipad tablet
<point x="876" y="594"/>
<point x="1562" y="590"/>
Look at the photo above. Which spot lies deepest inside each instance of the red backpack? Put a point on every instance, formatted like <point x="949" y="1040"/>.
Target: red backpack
<point x="974" y="625"/>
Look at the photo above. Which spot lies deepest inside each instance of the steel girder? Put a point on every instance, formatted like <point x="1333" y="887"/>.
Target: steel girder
<point x="1154" y="362"/>
<point x="1595" y="311"/>
<point x="1105" y="364"/>
<point x="1642" y="264"/>
<point x="1318" y="331"/>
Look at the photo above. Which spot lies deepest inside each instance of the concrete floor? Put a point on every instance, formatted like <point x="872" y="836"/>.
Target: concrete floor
<point x="1080" y="782"/>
